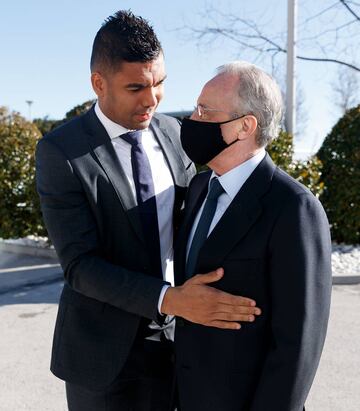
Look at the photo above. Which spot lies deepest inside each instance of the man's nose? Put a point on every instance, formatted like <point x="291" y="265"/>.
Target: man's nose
<point x="194" y="115"/>
<point x="150" y="98"/>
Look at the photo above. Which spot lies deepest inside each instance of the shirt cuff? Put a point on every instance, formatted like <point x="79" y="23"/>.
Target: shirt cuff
<point x="161" y="297"/>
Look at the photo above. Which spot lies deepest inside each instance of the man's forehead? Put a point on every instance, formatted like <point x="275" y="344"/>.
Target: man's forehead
<point x="221" y="87"/>
<point x="225" y="81"/>
<point x="156" y="64"/>
<point x="136" y="71"/>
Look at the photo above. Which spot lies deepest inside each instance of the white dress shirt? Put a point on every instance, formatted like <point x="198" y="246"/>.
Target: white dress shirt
<point x="163" y="186"/>
<point x="231" y="182"/>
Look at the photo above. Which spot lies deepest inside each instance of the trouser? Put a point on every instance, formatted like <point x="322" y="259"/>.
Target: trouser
<point x="146" y="383"/>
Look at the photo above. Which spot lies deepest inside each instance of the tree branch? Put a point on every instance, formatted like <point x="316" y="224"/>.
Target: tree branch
<point x="248" y="35"/>
<point x="329" y="31"/>
<point x="326" y="60"/>
<point x="322" y="12"/>
<point x="344" y="3"/>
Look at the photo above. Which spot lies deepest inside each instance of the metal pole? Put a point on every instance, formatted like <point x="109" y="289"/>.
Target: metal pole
<point x="290" y="114"/>
<point x="29" y="103"/>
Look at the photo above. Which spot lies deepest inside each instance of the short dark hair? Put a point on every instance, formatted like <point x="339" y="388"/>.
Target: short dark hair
<point x="124" y="37"/>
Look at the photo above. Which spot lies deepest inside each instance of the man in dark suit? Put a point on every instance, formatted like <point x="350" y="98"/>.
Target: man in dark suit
<point x="271" y="237"/>
<point x="111" y="185"/>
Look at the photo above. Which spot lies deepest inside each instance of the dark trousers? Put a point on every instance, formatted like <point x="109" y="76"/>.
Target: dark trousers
<point x="146" y="383"/>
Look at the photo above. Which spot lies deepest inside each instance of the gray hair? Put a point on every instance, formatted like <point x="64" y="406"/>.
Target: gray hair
<point x="258" y="94"/>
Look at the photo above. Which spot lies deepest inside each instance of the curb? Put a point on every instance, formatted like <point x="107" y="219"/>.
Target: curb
<point x="28" y="250"/>
<point x="346" y="280"/>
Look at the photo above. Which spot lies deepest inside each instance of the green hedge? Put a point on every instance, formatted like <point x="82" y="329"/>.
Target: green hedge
<point x="340" y="155"/>
<point x="20" y="211"/>
<point x="306" y="172"/>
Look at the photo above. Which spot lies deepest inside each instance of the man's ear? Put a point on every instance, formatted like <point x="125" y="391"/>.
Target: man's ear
<point x="98" y="83"/>
<point x="249" y="126"/>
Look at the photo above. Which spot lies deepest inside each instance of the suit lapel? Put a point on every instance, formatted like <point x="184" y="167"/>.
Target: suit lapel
<point x="240" y="216"/>
<point x="172" y="157"/>
<point x="194" y="201"/>
<point x="104" y="151"/>
<point x="181" y="177"/>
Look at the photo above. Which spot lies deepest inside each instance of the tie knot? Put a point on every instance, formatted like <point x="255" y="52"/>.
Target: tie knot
<point x="132" y="137"/>
<point x="215" y="189"/>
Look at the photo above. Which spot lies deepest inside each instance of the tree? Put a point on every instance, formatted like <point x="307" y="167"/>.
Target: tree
<point x="20" y="210"/>
<point x="346" y="89"/>
<point x="45" y="125"/>
<point x="321" y="32"/>
<point x="78" y="110"/>
<point x="340" y="155"/>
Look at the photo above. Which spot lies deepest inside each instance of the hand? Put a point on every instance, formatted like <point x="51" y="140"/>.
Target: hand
<point x="199" y="303"/>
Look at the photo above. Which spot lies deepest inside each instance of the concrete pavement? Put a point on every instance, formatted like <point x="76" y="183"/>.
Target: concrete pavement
<point x="27" y="323"/>
<point x="337" y="383"/>
<point x="29" y="292"/>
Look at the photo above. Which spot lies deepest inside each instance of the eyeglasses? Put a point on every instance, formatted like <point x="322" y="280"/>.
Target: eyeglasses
<point x="203" y="112"/>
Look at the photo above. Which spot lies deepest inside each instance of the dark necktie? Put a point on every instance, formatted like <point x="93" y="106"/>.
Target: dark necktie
<point x="203" y="226"/>
<point x="145" y="194"/>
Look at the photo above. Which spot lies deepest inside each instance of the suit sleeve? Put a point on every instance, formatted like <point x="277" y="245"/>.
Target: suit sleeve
<point x="72" y="228"/>
<point x="300" y="283"/>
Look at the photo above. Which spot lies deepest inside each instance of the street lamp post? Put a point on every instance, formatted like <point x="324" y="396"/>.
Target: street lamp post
<point x="29" y="103"/>
<point x="290" y="115"/>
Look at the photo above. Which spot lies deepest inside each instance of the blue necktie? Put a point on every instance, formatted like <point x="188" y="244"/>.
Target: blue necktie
<point x="145" y="194"/>
<point x="203" y="226"/>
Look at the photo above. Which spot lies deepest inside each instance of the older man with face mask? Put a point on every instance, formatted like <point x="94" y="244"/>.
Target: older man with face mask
<point x="271" y="237"/>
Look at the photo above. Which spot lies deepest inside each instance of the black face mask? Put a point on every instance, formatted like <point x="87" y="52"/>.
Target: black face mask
<point x="202" y="140"/>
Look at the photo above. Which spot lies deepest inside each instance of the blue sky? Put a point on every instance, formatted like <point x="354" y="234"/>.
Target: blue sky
<point x="45" y="52"/>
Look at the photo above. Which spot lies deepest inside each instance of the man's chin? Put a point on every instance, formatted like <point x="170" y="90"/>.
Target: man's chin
<point x="142" y="123"/>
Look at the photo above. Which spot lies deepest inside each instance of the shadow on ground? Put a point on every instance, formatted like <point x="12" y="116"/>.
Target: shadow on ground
<point x="28" y="279"/>
<point x="46" y="293"/>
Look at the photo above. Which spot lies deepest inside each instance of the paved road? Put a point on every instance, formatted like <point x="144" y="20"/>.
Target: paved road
<point x="337" y="383"/>
<point x="27" y="317"/>
<point x="27" y="320"/>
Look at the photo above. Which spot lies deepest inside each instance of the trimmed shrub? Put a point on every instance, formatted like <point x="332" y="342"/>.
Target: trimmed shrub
<point x="340" y="155"/>
<point x="306" y="172"/>
<point x="281" y="150"/>
<point x="20" y="210"/>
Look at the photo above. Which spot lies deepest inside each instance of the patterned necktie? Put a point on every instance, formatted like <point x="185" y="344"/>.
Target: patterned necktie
<point x="145" y="194"/>
<point x="203" y="226"/>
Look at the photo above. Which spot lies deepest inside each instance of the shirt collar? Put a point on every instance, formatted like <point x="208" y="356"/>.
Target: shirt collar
<point x="113" y="129"/>
<point x="233" y="180"/>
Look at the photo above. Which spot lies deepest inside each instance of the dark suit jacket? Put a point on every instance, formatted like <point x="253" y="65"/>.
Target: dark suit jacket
<point x="93" y="222"/>
<point x="274" y="245"/>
